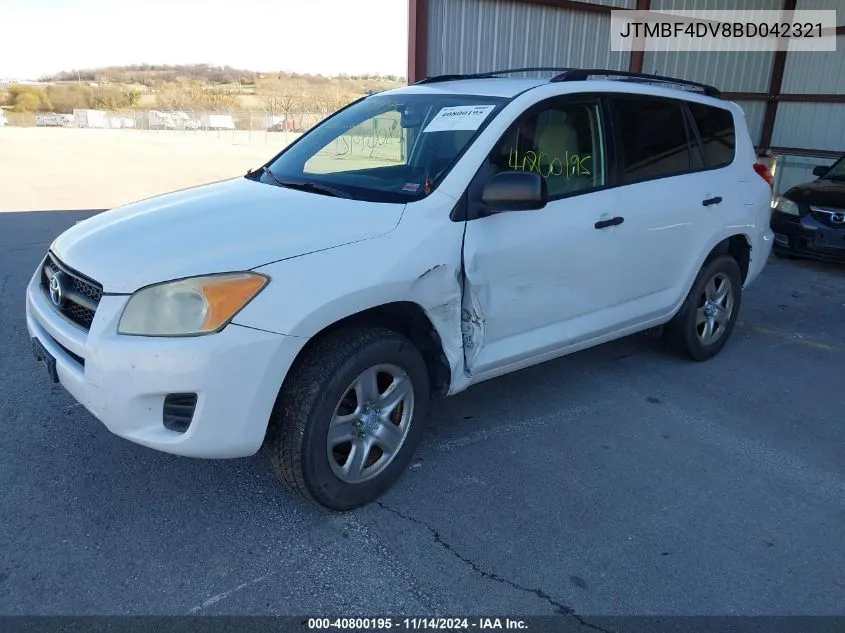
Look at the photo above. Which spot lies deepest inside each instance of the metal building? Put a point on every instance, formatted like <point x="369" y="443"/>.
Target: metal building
<point x="794" y="102"/>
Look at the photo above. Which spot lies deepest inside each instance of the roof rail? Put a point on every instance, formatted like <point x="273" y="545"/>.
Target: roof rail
<point x="493" y="73"/>
<point x="581" y="74"/>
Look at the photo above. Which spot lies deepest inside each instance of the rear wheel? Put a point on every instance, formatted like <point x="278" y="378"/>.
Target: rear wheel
<point x="706" y="320"/>
<point x="349" y="417"/>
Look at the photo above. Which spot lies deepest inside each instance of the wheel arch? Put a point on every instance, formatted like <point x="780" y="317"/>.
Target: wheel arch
<point x="737" y="246"/>
<point x="411" y="321"/>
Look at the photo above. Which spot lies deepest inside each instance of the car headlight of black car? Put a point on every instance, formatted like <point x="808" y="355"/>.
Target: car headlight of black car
<point x="785" y="205"/>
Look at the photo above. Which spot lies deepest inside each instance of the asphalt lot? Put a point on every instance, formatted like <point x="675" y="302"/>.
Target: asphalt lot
<point x="620" y="480"/>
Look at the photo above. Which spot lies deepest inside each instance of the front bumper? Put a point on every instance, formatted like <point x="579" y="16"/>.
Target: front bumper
<point x="123" y="380"/>
<point x="807" y="237"/>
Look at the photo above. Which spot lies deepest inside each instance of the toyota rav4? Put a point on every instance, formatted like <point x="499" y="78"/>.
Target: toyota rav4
<point x="415" y="243"/>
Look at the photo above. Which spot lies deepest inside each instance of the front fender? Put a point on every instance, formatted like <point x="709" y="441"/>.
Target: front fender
<point x="418" y="263"/>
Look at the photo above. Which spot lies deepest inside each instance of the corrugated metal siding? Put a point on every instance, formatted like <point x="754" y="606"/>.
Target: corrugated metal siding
<point x="754" y="111"/>
<point x="810" y="125"/>
<point x="730" y="71"/>
<point x="819" y="73"/>
<point x="467" y="36"/>
<point x="820" y="5"/>
<point x="622" y="4"/>
<point x="716" y="5"/>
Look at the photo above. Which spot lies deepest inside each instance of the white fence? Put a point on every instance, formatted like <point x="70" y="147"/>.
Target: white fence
<point x="177" y="121"/>
<point x="237" y="126"/>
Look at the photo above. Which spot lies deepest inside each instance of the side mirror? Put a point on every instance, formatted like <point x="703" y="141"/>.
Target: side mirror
<point x="821" y="170"/>
<point x="515" y="191"/>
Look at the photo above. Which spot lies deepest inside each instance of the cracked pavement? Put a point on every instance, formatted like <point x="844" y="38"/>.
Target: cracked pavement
<point x="619" y="480"/>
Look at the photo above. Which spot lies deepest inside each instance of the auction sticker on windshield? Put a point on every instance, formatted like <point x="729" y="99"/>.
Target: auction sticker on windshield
<point x="459" y="118"/>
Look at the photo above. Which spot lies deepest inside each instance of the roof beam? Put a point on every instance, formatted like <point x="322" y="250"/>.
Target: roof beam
<point x="775" y="84"/>
<point x="803" y="151"/>
<point x="635" y="65"/>
<point x="417" y="40"/>
<point x="575" y="5"/>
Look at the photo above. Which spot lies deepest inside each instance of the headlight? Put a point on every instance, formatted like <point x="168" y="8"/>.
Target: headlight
<point x="199" y="305"/>
<point x="785" y="205"/>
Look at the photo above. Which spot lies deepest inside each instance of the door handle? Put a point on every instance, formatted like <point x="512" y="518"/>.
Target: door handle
<point x="603" y="224"/>
<point x="710" y="201"/>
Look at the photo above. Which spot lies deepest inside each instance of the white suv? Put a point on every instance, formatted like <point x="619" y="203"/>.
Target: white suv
<point x="417" y="242"/>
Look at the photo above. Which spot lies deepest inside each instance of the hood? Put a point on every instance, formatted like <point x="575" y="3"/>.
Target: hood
<point x="225" y="226"/>
<point x="824" y="193"/>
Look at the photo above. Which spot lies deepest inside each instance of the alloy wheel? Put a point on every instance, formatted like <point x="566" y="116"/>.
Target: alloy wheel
<point x="370" y="423"/>
<point x="715" y="309"/>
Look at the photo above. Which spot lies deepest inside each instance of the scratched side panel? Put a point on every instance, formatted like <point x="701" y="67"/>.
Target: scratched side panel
<point x="472" y="324"/>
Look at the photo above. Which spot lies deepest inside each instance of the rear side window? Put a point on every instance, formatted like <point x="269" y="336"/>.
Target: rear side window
<point x="652" y="138"/>
<point x="716" y="129"/>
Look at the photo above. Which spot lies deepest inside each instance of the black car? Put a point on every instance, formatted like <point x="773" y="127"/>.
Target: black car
<point x="809" y="219"/>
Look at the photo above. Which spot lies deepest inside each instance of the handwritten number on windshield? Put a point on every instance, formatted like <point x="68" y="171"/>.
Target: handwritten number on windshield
<point x="361" y="143"/>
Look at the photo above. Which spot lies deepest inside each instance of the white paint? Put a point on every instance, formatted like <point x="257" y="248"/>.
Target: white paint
<point x="230" y="225"/>
<point x="459" y="118"/>
<point x="225" y="594"/>
<point x="537" y="285"/>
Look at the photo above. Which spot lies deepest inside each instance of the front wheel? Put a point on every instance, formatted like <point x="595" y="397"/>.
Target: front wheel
<point x="349" y="417"/>
<point x="706" y="320"/>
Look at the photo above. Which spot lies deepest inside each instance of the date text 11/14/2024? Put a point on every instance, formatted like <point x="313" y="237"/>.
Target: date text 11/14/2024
<point x="449" y="624"/>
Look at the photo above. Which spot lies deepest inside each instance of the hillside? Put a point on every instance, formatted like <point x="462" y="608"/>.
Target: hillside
<point x="191" y="87"/>
<point x="151" y="75"/>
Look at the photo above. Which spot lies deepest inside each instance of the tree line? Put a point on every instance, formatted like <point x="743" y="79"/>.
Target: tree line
<point x="276" y="93"/>
<point x="65" y="98"/>
<point x="151" y="75"/>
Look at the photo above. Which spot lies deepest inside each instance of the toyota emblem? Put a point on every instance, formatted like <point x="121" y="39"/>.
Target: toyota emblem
<point x="56" y="295"/>
<point x="837" y="218"/>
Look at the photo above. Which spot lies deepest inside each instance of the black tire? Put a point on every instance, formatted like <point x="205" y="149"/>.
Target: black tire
<point x="682" y="333"/>
<point x="298" y="431"/>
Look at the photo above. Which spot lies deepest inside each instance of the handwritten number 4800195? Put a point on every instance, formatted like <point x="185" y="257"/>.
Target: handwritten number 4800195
<point x="569" y="165"/>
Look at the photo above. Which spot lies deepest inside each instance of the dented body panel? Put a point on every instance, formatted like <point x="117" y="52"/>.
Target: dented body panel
<point x="419" y="261"/>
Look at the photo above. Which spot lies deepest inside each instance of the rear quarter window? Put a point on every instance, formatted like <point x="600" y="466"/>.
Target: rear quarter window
<point x="718" y="136"/>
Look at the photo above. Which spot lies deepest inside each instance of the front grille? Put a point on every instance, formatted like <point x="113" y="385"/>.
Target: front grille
<point x="827" y="215"/>
<point x="79" y="295"/>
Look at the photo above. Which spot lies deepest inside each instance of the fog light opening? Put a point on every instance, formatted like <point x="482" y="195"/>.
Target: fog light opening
<point x="178" y="411"/>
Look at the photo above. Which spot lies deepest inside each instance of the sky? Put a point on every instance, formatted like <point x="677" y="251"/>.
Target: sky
<point x="41" y="37"/>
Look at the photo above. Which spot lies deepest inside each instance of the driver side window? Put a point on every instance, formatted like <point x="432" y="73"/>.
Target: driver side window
<point x="562" y="142"/>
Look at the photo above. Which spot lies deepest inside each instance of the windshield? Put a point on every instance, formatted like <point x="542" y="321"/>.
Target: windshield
<point x="385" y="148"/>
<point x="836" y="172"/>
